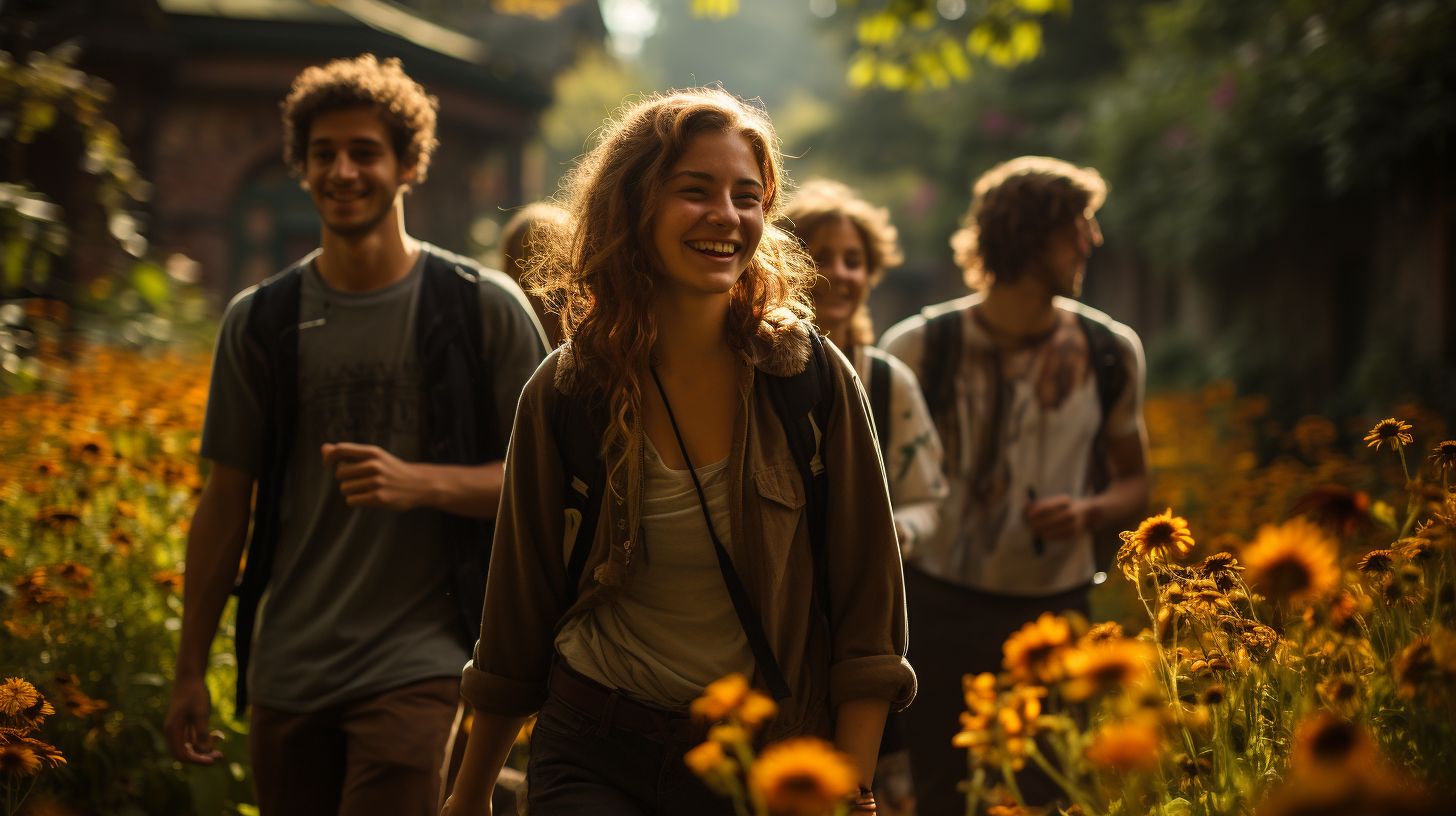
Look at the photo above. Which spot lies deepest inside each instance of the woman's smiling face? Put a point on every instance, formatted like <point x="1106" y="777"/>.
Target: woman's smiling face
<point x="709" y="218"/>
<point x="838" y="250"/>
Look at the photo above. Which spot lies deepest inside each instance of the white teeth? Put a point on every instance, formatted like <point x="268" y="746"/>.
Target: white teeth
<point x="718" y="247"/>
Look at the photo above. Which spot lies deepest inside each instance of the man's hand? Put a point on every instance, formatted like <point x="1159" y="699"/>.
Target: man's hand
<point x="370" y="476"/>
<point x="1059" y="517"/>
<point x="186" y="725"/>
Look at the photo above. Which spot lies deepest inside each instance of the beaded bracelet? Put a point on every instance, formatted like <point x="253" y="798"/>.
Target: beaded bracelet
<point x="864" y="801"/>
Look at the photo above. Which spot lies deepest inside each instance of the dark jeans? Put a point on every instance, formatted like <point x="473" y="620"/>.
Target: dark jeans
<point x="955" y="631"/>
<point x="592" y="762"/>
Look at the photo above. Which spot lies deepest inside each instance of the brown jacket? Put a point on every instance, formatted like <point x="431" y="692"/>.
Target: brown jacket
<point x="527" y="600"/>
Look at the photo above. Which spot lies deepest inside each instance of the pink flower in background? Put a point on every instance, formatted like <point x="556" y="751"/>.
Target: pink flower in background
<point x="1224" y="93"/>
<point x="1177" y="138"/>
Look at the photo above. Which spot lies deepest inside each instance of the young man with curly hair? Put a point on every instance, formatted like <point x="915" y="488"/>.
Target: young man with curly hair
<point x="1038" y="400"/>
<point x="359" y="409"/>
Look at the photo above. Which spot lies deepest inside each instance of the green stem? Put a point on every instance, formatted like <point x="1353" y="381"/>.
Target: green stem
<point x="1063" y="782"/>
<point x="1412" y="505"/>
<point x="1010" y="776"/>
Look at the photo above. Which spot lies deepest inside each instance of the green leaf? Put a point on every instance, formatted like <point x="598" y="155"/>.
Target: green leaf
<point x="151" y="282"/>
<point x="15" y="251"/>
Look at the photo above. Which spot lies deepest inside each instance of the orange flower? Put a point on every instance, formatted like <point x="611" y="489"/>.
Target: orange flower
<point x="1443" y="457"/>
<point x="721" y="698"/>
<point x="76" y="701"/>
<point x="22" y="705"/>
<point x="706" y="759"/>
<point x="1032" y="652"/>
<point x="18" y="760"/>
<point x="168" y="580"/>
<point x="1294" y="562"/>
<point x="1157" y="538"/>
<point x="803" y="777"/>
<point x="1105" y="667"/>
<point x="757" y="708"/>
<point x="1126" y="746"/>
<point x="1324" y="741"/>
<point x="1390" y="430"/>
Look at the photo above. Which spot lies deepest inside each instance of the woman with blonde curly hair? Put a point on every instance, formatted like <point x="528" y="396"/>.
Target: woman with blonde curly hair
<point x="853" y="243"/>
<point x="684" y="309"/>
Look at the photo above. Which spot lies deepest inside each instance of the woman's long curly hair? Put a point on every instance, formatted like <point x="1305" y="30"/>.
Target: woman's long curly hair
<point x="599" y="270"/>
<point x="821" y="203"/>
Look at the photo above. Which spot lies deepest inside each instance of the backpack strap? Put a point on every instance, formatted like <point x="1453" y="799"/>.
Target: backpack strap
<point x="939" y="363"/>
<point x="941" y="360"/>
<point x="1111" y="376"/>
<point x="458" y="414"/>
<point x="1107" y="367"/>
<point x="272" y="367"/>
<point x="880" y="403"/>
<point x="803" y="403"/>
<point x="578" y="427"/>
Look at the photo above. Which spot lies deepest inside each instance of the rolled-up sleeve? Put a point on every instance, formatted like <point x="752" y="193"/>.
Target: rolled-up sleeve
<point x="526" y="592"/>
<point x="869" y="636"/>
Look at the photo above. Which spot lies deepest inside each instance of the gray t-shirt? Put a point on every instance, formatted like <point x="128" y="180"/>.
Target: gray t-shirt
<point x="357" y="602"/>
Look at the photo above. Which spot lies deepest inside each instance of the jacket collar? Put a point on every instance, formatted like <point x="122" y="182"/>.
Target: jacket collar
<point x="780" y="346"/>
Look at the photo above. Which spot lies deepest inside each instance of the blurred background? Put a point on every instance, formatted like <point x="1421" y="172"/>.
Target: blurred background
<point x="1281" y="231"/>
<point x="1281" y="213"/>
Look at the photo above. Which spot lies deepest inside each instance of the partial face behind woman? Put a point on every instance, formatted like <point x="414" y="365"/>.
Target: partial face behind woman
<point x="710" y="214"/>
<point x="838" y="250"/>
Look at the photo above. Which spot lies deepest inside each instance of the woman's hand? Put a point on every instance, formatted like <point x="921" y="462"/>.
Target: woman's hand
<point x="456" y="805"/>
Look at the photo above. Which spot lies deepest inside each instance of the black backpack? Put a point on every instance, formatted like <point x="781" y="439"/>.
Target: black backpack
<point x="802" y="403"/>
<point x="942" y="358"/>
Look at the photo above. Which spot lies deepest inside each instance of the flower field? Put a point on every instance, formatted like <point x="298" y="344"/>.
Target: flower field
<point x="1284" y="631"/>
<point x="98" y="488"/>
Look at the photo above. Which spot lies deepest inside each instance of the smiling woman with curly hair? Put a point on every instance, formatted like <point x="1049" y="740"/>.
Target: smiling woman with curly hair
<point x="685" y="312"/>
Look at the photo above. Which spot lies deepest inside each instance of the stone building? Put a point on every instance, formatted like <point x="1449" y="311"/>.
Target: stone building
<point x="197" y="87"/>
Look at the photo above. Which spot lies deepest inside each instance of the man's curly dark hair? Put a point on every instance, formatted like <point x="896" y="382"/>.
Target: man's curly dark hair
<point x="407" y="110"/>
<point x="1017" y="206"/>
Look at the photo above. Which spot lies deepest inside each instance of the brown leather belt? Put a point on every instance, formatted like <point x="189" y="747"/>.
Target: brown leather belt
<point x="617" y="710"/>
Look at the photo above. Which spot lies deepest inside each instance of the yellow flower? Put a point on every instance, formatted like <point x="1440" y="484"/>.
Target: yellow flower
<point x="18" y="760"/>
<point x="721" y="698"/>
<point x="1415" y="667"/>
<point x="1443" y="457"/>
<point x="169" y="581"/>
<point x="1376" y="562"/>
<point x="803" y="777"/>
<point x="707" y="759"/>
<point x="757" y="708"/>
<point x="728" y="734"/>
<point x="979" y="691"/>
<point x="1391" y="430"/>
<point x="1293" y="562"/>
<point x="1105" y="667"/>
<point x="1103" y="632"/>
<point x="1032" y="652"/>
<point x="23" y="705"/>
<point x="17" y="695"/>
<point x="1159" y="537"/>
<point x="1340" y="692"/>
<point x="1126" y="746"/>
<point x="1327" y="741"/>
